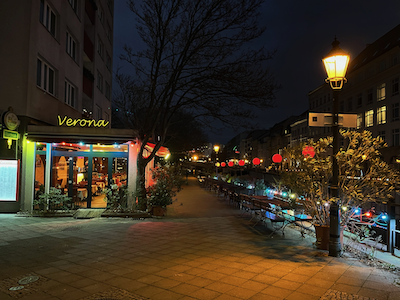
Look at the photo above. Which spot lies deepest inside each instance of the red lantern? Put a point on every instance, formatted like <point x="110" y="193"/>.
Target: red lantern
<point x="256" y="161"/>
<point x="277" y="158"/>
<point x="308" y="151"/>
<point x="230" y="164"/>
<point x="223" y="164"/>
<point x="241" y="162"/>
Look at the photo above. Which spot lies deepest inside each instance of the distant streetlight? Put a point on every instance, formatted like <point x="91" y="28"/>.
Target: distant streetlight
<point x="335" y="63"/>
<point x="216" y="149"/>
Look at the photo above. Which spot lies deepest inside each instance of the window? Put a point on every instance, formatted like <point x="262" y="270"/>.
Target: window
<point x="370" y="96"/>
<point x="350" y="104"/>
<point x="359" y="120"/>
<point x="380" y="92"/>
<point x="47" y="17"/>
<point x="369" y="118"/>
<point x="108" y="32"/>
<point x="45" y="77"/>
<point x="359" y="100"/>
<point x="395" y="112"/>
<point x="395" y="86"/>
<point x="100" y="47"/>
<point x="100" y="13"/>
<point x="396" y="137"/>
<point x="70" y="94"/>
<point x="99" y="81"/>
<point x="381" y="115"/>
<point x="108" y="91"/>
<point x="99" y="113"/>
<point x="71" y="46"/>
<point x="108" y="61"/>
<point x="73" y="4"/>
<point x="382" y="135"/>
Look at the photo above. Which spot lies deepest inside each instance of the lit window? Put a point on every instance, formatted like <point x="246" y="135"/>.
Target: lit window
<point x="45" y="77"/>
<point x="369" y="118"/>
<point x="359" y="120"/>
<point x="70" y="94"/>
<point x="47" y="17"/>
<point x="380" y="92"/>
<point x="71" y="46"/>
<point x="381" y="115"/>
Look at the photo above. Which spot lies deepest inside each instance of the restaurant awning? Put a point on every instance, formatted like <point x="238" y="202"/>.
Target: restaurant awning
<point x="162" y="152"/>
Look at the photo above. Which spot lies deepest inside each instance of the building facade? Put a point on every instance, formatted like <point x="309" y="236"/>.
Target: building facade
<point x="55" y="91"/>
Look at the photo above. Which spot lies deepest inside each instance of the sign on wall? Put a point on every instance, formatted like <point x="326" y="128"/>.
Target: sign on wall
<point x="70" y="122"/>
<point x="9" y="170"/>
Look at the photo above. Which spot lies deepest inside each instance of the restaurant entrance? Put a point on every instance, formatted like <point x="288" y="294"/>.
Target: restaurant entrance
<point x="82" y="171"/>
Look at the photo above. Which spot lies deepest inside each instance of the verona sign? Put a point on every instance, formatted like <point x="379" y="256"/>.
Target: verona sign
<point x="70" y="122"/>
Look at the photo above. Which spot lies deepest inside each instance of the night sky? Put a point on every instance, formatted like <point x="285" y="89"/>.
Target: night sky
<point x="302" y="33"/>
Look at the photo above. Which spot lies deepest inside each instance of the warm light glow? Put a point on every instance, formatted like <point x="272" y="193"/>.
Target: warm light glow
<point x="336" y="63"/>
<point x="256" y="161"/>
<point x="223" y="164"/>
<point x="230" y="164"/>
<point x="195" y="158"/>
<point x="364" y="157"/>
<point x="368" y="214"/>
<point x="277" y="158"/>
<point x="216" y="148"/>
<point x="217" y="164"/>
<point x="167" y="156"/>
<point x="241" y="163"/>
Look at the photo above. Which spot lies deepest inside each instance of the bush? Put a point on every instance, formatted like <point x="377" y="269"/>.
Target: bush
<point x="53" y="200"/>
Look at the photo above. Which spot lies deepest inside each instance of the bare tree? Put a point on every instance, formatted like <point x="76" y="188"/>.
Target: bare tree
<point x="196" y="61"/>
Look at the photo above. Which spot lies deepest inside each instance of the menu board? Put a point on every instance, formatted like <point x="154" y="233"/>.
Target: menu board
<point x="8" y="179"/>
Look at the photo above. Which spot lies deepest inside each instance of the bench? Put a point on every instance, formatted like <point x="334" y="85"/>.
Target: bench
<point x="278" y="223"/>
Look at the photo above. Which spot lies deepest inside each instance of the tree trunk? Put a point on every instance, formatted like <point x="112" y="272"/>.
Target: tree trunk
<point x="141" y="184"/>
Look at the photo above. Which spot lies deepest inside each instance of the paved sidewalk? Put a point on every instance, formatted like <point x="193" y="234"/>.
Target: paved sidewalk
<point x="201" y="250"/>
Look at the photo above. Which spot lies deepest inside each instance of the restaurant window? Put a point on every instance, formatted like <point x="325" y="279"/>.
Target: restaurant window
<point x="48" y="17"/>
<point x="45" y="76"/>
<point x="395" y="112"/>
<point x="381" y="92"/>
<point x="70" y="94"/>
<point x="71" y="46"/>
<point x="381" y="115"/>
<point x="369" y="118"/>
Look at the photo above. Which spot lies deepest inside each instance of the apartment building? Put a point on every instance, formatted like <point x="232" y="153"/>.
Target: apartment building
<point x="55" y="91"/>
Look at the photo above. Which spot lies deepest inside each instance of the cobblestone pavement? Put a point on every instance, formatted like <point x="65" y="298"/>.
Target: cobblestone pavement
<point x="202" y="249"/>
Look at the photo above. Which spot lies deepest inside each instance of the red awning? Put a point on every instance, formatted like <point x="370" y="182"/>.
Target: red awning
<point x="162" y="152"/>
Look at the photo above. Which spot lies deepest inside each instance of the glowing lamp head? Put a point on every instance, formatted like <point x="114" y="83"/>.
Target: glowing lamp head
<point x="336" y="64"/>
<point x="241" y="162"/>
<point x="230" y="164"/>
<point x="216" y="148"/>
<point x="256" y="161"/>
<point x="223" y="164"/>
<point x="217" y="164"/>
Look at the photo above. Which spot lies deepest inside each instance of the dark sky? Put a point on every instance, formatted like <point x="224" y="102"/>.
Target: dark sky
<point x="302" y="33"/>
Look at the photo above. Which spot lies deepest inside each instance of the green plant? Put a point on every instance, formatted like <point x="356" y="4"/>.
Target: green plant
<point x="53" y="200"/>
<point x="117" y="198"/>
<point x="168" y="182"/>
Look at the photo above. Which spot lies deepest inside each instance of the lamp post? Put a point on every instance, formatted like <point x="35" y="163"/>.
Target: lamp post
<point x="216" y="149"/>
<point x="335" y="63"/>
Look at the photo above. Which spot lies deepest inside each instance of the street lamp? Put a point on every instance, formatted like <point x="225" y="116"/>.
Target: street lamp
<point x="216" y="149"/>
<point x="335" y="63"/>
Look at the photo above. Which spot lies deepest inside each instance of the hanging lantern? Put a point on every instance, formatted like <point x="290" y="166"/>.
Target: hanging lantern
<point x="223" y="164"/>
<point x="308" y="151"/>
<point x="217" y="164"/>
<point x="277" y="158"/>
<point x="230" y="164"/>
<point x="241" y="162"/>
<point x="256" y="161"/>
<point x="336" y="63"/>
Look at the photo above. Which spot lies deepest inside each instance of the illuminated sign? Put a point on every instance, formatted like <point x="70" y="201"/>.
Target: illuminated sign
<point x="8" y="180"/>
<point x="81" y="122"/>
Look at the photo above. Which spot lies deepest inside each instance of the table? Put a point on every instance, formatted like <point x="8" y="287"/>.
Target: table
<point x="82" y="193"/>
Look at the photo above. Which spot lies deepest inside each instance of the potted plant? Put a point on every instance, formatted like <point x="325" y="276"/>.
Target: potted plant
<point x="168" y="182"/>
<point x="363" y="177"/>
<point x="53" y="200"/>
